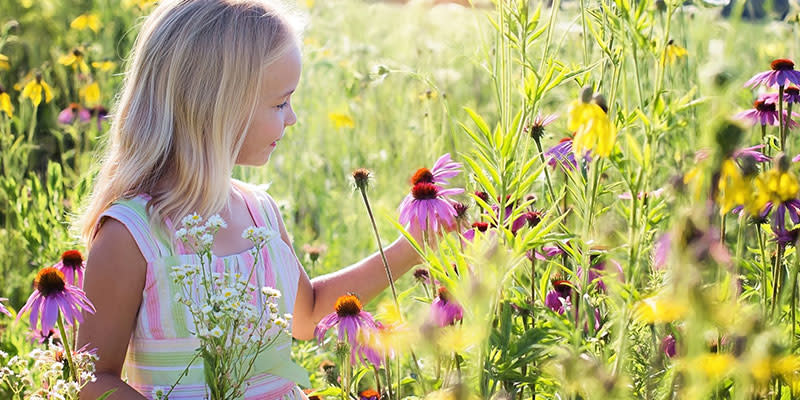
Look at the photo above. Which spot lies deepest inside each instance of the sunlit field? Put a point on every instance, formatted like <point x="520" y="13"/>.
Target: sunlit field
<point x="653" y="144"/>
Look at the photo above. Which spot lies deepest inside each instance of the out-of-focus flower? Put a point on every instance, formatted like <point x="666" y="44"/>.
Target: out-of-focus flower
<point x="445" y="310"/>
<point x="598" y="271"/>
<point x="428" y="95"/>
<point x="35" y="89"/>
<point x="776" y="186"/>
<point x="593" y="129"/>
<point x="558" y="299"/>
<point x="428" y="207"/>
<point x="91" y="94"/>
<point x="4" y="64"/>
<point x="3" y="309"/>
<point x="5" y="103"/>
<point x="660" y="309"/>
<point x="53" y="296"/>
<point x="643" y="195"/>
<point x="76" y="59"/>
<point x="67" y="115"/>
<point x="716" y="365"/>
<point x="314" y="252"/>
<point x="661" y="251"/>
<point x="104" y="66"/>
<point x="752" y="151"/>
<point x="369" y="394"/>
<point x="781" y="73"/>
<point x="668" y="346"/>
<point x="308" y="392"/>
<point x="71" y="265"/>
<point x="791" y="94"/>
<point x="734" y="188"/>
<point x="536" y="129"/>
<point x="561" y="155"/>
<point x="765" y="112"/>
<point x="675" y="51"/>
<point x="349" y="319"/>
<point x="529" y="218"/>
<point x="341" y="120"/>
<point x="84" y="21"/>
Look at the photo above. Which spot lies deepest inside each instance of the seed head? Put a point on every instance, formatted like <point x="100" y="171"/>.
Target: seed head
<point x="782" y="64"/>
<point x="49" y="280"/>
<point x="348" y="305"/>
<point x="361" y="178"/>
<point x="72" y="258"/>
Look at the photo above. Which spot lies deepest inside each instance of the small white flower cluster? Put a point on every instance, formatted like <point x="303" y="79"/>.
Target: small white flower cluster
<point x="197" y="235"/>
<point x="258" y="235"/>
<point x="45" y="379"/>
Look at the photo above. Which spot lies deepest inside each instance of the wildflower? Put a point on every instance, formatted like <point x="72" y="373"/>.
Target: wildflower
<point x="778" y="186"/>
<point x="529" y="218"/>
<point x="593" y="129"/>
<point x="91" y="21"/>
<point x="34" y="89"/>
<point x="734" y="188"/>
<point x="101" y="113"/>
<point x="558" y="299"/>
<point x="369" y="394"/>
<point x="5" y="102"/>
<point x="461" y="210"/>
<point x="341" y="120"/>
<point x="308" y="393"/>
<point x="191" y="220"/>
<point x="642" y="195"/>
<point x="361" y="178"/>
<point x="4" y="64"/>
<point x="53" y="295"/>
<point x="716" y="365"/>
<point x="561" y="155"/>
<point x="75" y="59"/>
<point x="216" y="222"/>
<point x="72" y="265"/>
<point x="661" y="251"/>
<point x="104" y="66"/>
<point x="781" y="73"/>
<point x="444" y="169"/>
<point x="598" y="270"/>
<point x="536" y="129"/>
<point x="428" y="207"/>
<point x="674" y="51"/>
<point x="753" y="151"/>
<point x="67" y="115"/>
<point x="476" y="227"/>
<point x="764" y="112"/>
<point x="445" y="310"/>
<point x="668" y="346"/>
<point x="314" y="252"/>
<point x="791" y="94"/>
<point x="428" y="95"/>
<point x="659" y="309"/>
<point x="3" y="309"/>
<point x="90" y="94"/>
<point x="349" y="319"/>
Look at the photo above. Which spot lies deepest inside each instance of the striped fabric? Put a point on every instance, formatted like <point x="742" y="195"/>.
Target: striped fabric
<point x="162" y="344"/>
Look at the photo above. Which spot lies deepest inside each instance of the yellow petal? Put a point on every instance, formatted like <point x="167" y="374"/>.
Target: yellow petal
<point x="5" y="104"/>
<point x="4" y="64"/>
<point x="91" y="94"/>
<point x="94" y="22"/>
<point x="341" y="120"/>
<point x="68" y="59"/>
<point x="48" y="95"/>
<point x="104" y="65"/>
<point x="79" y="23"/>
<point x="659" y="309"/>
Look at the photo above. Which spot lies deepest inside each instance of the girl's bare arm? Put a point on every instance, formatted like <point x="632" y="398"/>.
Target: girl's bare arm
<point x="114" y="281"/>
<point x="367" y="278"/>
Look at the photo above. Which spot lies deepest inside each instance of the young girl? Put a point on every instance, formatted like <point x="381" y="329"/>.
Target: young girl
<point x="209" y="87"/>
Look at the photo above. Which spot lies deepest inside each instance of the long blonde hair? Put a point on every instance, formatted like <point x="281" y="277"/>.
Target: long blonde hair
<point x="187" y="100"/>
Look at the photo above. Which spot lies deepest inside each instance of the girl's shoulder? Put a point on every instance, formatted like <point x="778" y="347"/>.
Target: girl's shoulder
<point x="260" y="194"/>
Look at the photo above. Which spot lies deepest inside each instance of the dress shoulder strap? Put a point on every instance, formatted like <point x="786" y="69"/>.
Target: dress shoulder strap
<point x="262" y="203"/>
<point x="133" y="214"/>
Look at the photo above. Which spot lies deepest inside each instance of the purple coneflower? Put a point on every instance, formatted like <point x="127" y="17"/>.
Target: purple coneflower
<point x="558" y="299"/>
<point x="530" y="218"/>
<point x="791" y="94"/>
<point x="765" y="112"/>
<point x="598" y="270"/>
<point x="661" y="251"/>
<point x="53" y="295"/>
<point x="369" y="394"/>
<point x="781" y="73"/>
<point x="538" y="124"/>
<point x="445" y="310"/>
<point x="72" y="265"/>
<point x="67" y="115"/>
<point x="562" y="154"/>
<point x="443" y="170"/>
<point x="668" y="346"/>
<point x="428" y="207"/>
<point x="349" y="319"/>
<point x="753" y="151"/>
<point x="548" y="252"/>
<point x="476" y="227"/>
<point x="3" y="309"/>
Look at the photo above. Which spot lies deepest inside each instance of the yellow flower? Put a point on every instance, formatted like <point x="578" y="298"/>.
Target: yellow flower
<point x="104" y="65"/>
<point x="659" y="309"/>
<point x="593" y="130"/>
<point x="5" y="103"/>
<point x="428" y="95"/>
<point x="34" y="89"/>
<point x="4" y="64"/>
<point x="774" y="186"/>
<point x="91" y="21"/>
<point x="716" y="365"/>
<point x="341" y="120"/>
<point x="734" y="189"/>
<point x="91" y="94"/>
<point x="675" y="52"/>
<point x="309" y="3"/>
<point x="76" y="60"/>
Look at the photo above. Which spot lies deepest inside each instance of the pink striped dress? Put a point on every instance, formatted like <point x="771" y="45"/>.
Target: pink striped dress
<point x="162" y="344"/>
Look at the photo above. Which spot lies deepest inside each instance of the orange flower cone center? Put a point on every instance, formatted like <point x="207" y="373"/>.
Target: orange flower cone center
<point x="422" y="175"/>
<point x="782" y="64"/>
<point x="348" y="306"/>
<point x="72" y="258"/>
<point x="49" y="280"/>
<point x="424" y="191"/>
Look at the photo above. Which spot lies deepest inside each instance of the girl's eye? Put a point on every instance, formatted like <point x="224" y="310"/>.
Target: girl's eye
<point x="284" y="104"/>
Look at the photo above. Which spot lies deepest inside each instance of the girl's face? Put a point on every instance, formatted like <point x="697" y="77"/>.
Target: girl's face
<point x="274" y="109"/>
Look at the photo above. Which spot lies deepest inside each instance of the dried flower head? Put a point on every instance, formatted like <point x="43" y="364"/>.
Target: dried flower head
<point x="361" y="177"/>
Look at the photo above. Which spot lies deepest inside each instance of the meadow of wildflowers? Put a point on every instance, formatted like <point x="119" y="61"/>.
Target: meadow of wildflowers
<point x="605" y="195"/>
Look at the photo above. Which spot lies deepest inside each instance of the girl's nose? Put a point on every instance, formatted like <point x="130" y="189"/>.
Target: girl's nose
<point x="292" y="118"/>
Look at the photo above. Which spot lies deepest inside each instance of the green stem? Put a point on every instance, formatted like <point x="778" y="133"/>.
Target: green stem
<point x="67" y="350"/>
<point x="764" y="263"/>
<point x="380" y="248"/>
<point x="546" y="172"/>
<point x="33" y="124"/>
<point x="794" y="299"/>
<point x="781" y="127"/>
<point x="585" y="36"/>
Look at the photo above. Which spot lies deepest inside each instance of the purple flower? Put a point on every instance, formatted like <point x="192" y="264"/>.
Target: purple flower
<point x="530" y="218"/>
<point x="369" y="356"/>
<point x="67" y="115"/>
<point x="558" y="299"/>
<point x="781" y="73"/>
<point x="598" y="271"/>
<point x="53" y="295"/>
<point x="791" y="94"/>
<point x="72" y="266"/>
<point x="349" y="320"/>
<point x="538" y="124"/>
<point x="753" y="151"/>
<point x="445" y="310"/>
<point x="3" y="309"/>
<point x="668" y="345"/>
<point x="548" y="252"/>
<point x="469" y="234"/>
<point x="661" y="251"/>
<point x="428" y="207"/>
<point x="764" y="112"/>
<point x="562" y="154"/>
<point x="444" y="169"/>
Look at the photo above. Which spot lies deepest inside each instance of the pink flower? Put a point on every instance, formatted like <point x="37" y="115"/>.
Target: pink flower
<point x="539" y="122"/>
<point x="443" y="170"/>
<point x="668" y="346"/>
<point x="67" y="115"/>
<point x="72" y="266"/>
<point x="753" y="151"/>
<point x="661" y="251"/>
<point x="445" y="310"/>
<point x="781" y="73"/>
<point x="3" y="309"/>
<point x="764" y="112"/>
<point x="54" y="295"/>
<point x="558" y="299"/>
<point x="349" y="319"/>
<point x="476" y="227"/>
<point x="428" y="207"/>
